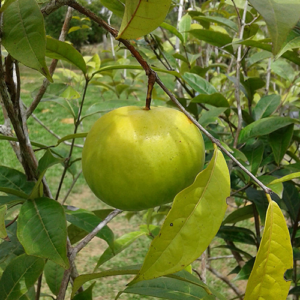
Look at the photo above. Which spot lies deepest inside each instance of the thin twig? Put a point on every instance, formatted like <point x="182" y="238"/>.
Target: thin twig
<point x="92" y="234"/>
<point x="39" y="286"/>
<point x="237" y="83"/>
<point x="77" y="123"/>
<point x="53" y="133"/>
<point x="227" y="281"/>
<point x="213" y="139"/>
<point x="71" y="187"/>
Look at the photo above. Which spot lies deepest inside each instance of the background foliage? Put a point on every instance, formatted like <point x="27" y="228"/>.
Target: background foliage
<point x="234" y="66"/>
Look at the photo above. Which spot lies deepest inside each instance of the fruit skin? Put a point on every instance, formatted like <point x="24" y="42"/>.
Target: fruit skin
<point x="135" y="159"/>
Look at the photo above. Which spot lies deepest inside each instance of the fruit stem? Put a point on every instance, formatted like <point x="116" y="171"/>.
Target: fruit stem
<point x="151" y="81"/>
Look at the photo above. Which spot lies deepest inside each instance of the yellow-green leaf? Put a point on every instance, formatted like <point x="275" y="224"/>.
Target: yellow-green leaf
<point x="286" y="178"/>
<point x="274" y="257"/>
<point x="191" y="224"/>
<point x="142" y="17"/>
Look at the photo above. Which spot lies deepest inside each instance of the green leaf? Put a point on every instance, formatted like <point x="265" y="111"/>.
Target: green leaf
<point x="263" y="44"/>
<point x="168" y="288"/>
<point x="282" y="68"/>
<point x="87" y="221"/>
<point x="254" y="153"/>
<point x="239" y="214"/>
<point x="199" y="84"/>
<point x="260" y="200"/>
<point x="19" y="276"/>
<point x="120" y="244"/>
<point x="234" y="248"/>
<point x="211" y="115"/>
<point x="291" y="199"/>
<point x="219" y="20"/>
<point x="280" y="16"/>
<point x="3" y="233"/>
<point x="237" y="234"/>
<point x="284" y="135"/>
<point x="274" y="257"/>
<point x="48" y="160"/>
<point x="194" y="219"/>
<point x="245" y="271"/>
<point x="257" y="57"/>
<point x="6" y="4"/>
<point x="53" y="274"/>
<point x="13" y="180"/>
<point x="24" y="34"/>
<point x="64" y="51"/>
<point x="215" y="99"/>
<point x="12" y="248"/>
<point x="173" y="30"/>
<point x="214" y="38"/>
<point x="266" y="106"/>
<point x="116" y="6"/>
<point x="264" y="127"/>
<point x="86" y="294"/>
<point x="132" y="270"/>
<point x="184" y="26"/>
<point x="142" y="16"/>
<point x="72" y="136"/>
<point x="42" y="230"/>
<point x="292" y="42"/>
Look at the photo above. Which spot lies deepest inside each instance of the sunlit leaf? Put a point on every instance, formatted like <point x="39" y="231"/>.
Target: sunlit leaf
<point x="23" y="34"/>
<point x="191" y="224"/>
<point x="142" y="16"/>
<point x="274" y="257"/>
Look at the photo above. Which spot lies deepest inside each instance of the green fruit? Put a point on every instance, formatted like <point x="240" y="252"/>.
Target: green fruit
<point x="135" y="159"/>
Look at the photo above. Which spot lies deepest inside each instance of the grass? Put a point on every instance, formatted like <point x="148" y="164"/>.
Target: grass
<point x="58" y="119"/>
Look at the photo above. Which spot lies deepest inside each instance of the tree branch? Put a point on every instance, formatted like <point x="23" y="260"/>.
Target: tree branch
<point x="92" y="234"/>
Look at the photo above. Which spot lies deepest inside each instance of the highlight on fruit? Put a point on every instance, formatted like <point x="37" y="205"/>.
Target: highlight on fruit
<point x="134" y="159"/>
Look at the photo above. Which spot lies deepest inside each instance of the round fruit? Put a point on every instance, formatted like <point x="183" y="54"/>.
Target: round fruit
<point x="135" y="159"/>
